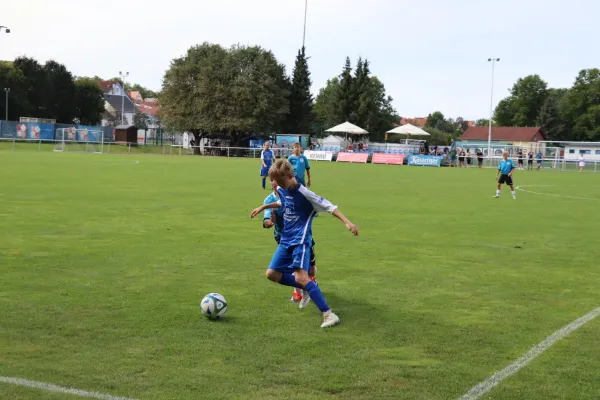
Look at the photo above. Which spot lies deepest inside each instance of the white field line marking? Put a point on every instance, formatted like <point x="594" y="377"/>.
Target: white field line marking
<point x="520" y="188"/>
<point x="482" y="388"/>
<point x="59" y="389"/>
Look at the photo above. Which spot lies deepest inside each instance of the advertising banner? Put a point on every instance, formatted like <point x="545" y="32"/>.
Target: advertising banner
<point x="40" y="131"/>
<point x="379" y="158"/>
<point x="427" y="161"/>
<point x="319" y="155"/>
<point x="352" y="157"/>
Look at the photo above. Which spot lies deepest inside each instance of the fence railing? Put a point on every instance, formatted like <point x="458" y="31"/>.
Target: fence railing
<point x="41" y="145"/>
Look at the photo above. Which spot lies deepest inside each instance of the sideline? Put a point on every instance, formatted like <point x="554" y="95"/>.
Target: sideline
<point x="60" y="389"/>
<point x="520" y="188"/>
<point x="482" y="388"/>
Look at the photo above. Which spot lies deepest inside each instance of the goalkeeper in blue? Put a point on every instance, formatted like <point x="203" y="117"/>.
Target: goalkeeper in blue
<point x="291" y="262"/>
<point x="273" y="218"/>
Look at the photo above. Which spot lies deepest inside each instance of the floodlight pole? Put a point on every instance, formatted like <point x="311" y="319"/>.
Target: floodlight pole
<point x="493" y="61"/>
<point x="7" y="91"/>
<point x="123" y="76"/>
<point x="304" y="31"/>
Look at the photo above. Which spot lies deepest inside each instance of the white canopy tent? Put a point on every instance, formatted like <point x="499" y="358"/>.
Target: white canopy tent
<point x="348" y="129"/>
<point x="409" y="130"/>
<point x="333" y="140"/>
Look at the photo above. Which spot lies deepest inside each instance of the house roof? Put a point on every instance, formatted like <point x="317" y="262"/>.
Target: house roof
<point x="503" y="133"/>
<point x="148" y="108"/>
<point x="136" y="96"/>
<point x="116" y="101"/>
<point x="418" y="122"/>
<point x="106" y="86"/>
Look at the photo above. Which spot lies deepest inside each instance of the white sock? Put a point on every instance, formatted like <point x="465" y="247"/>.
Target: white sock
<point x="497" y="193"/>
<point x="514" y="193"/>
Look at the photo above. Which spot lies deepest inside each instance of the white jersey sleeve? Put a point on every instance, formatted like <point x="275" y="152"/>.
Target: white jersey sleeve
<point x="320" y="204"/>
<point x="262" y="154"/>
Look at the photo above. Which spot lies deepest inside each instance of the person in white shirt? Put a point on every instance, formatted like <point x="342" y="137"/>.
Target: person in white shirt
<point x="581" y="162"/>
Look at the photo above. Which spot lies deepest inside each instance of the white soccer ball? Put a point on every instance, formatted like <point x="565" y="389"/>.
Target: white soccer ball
<point x="213" y="305"/>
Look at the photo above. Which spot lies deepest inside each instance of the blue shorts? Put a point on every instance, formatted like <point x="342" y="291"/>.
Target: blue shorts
<point x="300" y="180"/>
<point x="539" y="161"/>
<point x="286" y="258"/>
<point x="264" y="171"/>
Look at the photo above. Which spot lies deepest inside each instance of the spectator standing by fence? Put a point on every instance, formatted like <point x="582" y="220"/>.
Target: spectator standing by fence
<point x="479" y="158"/>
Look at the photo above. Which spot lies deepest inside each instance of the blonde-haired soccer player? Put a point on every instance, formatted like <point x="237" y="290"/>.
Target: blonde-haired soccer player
<point x="291" y="261"/>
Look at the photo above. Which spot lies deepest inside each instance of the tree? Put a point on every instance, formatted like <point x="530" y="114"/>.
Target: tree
<point x="581" y="106"/>
<point x="345" y="99"/>
<point x="60" y="95"/>
<point x="551" y="119"/>
<point x="301" y="100"/>
<point x="359" y="98"/>
<point x="523" y="106"/>
<point x="18" y="104"/>
<point x="36" y="86"/>
<point x="483" y="122"/>
<point x="438" y="136"/>
<point x="141" y="120"/>
<point x="436" y="120"/>
<point x="236" y="90"/>
<point x="145" y="92"/>
<point x="89" y="103"/>
<point x="326" y="105"/>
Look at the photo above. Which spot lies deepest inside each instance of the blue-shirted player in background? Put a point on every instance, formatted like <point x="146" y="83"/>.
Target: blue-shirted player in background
<point x="539" y="156"/>
<point x="300" y="164"/>
<point x="505" y="172"/>
<point x="274" y="218"/>
<point x="266" y="158"/>
<point x="291" y="261"/>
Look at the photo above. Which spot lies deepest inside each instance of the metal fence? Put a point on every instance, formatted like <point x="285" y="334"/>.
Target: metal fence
<point x="41" y="145"/>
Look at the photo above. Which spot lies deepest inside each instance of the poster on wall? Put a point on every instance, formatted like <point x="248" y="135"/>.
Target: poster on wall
<point x="287" y="141"/>
<point x="40" y="131"/>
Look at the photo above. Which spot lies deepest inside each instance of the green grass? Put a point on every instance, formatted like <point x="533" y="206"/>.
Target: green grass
<point x="103" y="263"/>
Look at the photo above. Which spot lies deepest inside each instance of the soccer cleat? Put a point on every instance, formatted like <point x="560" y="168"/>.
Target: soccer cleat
<point x="296" y="297"/>
<point x="329" y="319"/>
<point x="305" y="299"/>
<point x="496" y="197"/>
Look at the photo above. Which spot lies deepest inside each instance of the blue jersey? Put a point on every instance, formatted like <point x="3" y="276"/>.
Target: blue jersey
<point x="300" y="164"/>
<point x="267" y="156"/>
<point x="539" y="156"/>
<point x="278" y="215"/>
<point x="506" y="166"/>
<point x="299" y="208"/>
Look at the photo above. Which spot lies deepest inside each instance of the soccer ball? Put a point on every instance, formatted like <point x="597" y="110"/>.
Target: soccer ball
<point x="213" y="305"/>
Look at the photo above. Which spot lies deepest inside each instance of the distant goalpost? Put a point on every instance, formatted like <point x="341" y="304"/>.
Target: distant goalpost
<point x="80" y="140"/>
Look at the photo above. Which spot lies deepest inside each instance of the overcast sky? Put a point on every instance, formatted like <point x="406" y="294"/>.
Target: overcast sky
<point x="430" y="54"/>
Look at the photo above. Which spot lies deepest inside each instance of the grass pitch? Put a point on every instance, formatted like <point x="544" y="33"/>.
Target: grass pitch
<point x="103" y="262"/>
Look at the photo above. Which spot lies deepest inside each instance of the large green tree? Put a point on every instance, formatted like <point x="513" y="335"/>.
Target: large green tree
<point x="551" y="119"/>
<point x="522" y="107"/>
<point x="89" y="103"/>
<point x="60" y="95"/>
<point x="13" y="79"/>
<point x="49" y="91"/>
<point x="236" y="90"/>
<point x="581" y="106"/>
<point x="359" y="98"/>
<point x="301" y="100"/>
<point x="326" y="105"/>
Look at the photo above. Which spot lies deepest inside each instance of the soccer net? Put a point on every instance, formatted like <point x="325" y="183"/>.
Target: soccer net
<point x="79" y="140"/>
